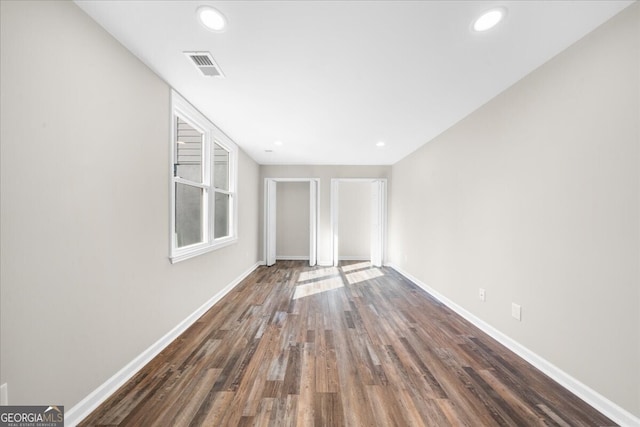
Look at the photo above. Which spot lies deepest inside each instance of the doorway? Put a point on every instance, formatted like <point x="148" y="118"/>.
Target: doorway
<point x="373" y="208"/>
<point x="271" y="217"/>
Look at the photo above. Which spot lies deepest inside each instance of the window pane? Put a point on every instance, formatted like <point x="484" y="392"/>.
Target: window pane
<point x="188" y="215"/>
<point x="221" y="215"/>
<point x="220" y="167"/>
<point x="188" y="148"/>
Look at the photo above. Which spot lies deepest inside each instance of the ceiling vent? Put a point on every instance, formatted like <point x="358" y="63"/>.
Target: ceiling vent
<point x="205" y="63"/>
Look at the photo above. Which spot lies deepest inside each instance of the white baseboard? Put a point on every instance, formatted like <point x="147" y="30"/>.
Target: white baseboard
<point x="87" y="405"/>
<point x="593" y="398"/>
<point x="292" y="258"/>
<point x="354" y="258"/>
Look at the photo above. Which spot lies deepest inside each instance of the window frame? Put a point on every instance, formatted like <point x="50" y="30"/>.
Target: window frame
<point x="211" y="134"/>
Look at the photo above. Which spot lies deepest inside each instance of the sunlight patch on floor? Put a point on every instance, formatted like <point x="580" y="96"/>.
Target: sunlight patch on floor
<point x="363" y="275"/>
<point x="317" y="274"/>
<point x="318" y="287"/>
<point x="357" y="266"/>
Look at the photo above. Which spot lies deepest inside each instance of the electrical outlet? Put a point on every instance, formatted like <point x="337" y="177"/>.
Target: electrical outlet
<point x="482" y="294"/>
<point x="4" y="394"/>
<point x="516" y="311"/>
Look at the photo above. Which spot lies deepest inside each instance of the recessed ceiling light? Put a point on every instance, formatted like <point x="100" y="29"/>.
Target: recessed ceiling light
<point x="212" y="19"/>
<point x="489" y="19"/>
<point x="380" y="144"/>
<point x="278" y="143"/>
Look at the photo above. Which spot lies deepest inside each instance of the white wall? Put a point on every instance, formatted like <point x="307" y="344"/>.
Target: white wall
<point x="86" y="283"/>
<point x="325" y="174"/>
<point x="354" y="219"/>
<point x="535" y="197"/>
<point x="292" y="220"/>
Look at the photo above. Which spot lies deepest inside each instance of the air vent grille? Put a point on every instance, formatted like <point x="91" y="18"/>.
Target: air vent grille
<point x="202" y="60"/>
<point x="205" y="63"/>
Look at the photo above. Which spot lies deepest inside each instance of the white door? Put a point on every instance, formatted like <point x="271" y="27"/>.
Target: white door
<point x="270" y="209"/>
<point x="376" y="248"/>
<point x="335" y="197"/>
<point x="313" y="222"/>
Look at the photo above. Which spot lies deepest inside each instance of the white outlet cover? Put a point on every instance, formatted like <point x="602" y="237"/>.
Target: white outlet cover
<point x="516" y="311"/>
<point x="482" y="294"/>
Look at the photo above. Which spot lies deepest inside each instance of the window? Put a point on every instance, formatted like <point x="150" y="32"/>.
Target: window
<point x="203" y="184"/>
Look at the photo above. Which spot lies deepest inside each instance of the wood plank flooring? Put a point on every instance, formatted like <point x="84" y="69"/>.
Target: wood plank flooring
<point x="295" y="345"/>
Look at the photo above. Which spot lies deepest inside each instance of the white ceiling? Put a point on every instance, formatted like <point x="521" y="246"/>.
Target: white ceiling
<point x="332" y="78"/>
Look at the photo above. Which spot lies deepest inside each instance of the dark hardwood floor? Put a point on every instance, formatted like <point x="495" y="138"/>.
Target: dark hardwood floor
<point x="355" y="345"/>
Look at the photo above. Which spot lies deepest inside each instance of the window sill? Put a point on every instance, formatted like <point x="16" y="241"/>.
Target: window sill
<point x="186" y="253"/>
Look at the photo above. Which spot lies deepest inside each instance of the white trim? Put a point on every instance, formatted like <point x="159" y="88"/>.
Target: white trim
<point x="313" y="221"/>
<point x="179" y="180"/>
<point x="83" y="408"/>
<point x="220" y="243"/>
<point x="379" y="220"/>
<point x="269" y="228"/>
<point x="334" y="201"/>
<point x="293" y="179"/>
<point x="180" y="107"/>
<point x="359" y="179"/>
<point x="584" y="392"/>
<point x="292" y="257"/>
<point x="354" y="258"/>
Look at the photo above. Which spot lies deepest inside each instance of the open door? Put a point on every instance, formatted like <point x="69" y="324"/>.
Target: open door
<point x="313" y="222"/>
<point x="377" y="222"/>
<point x="270" y="221"/>
<point x="335" y="199"/>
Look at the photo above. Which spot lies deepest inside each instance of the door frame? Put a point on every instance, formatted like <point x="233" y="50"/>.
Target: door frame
<point x="380" y="212"/>
<point x="270" y="220"/>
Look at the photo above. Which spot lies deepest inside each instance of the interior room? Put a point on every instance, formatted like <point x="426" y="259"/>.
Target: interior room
<point x="321" y="212"/>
